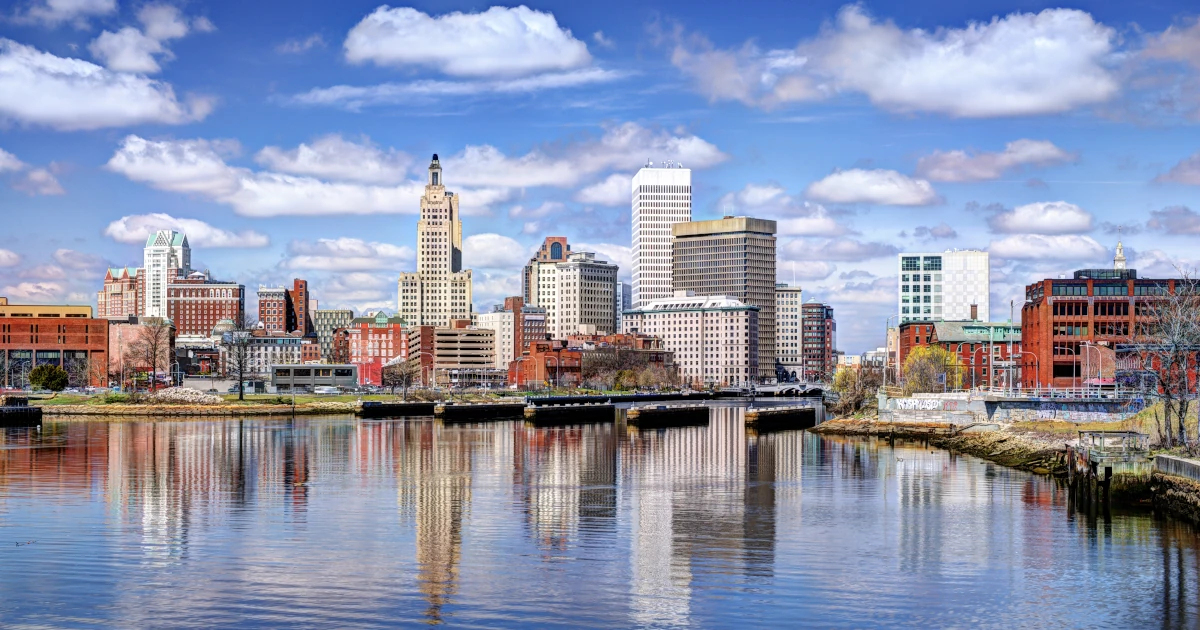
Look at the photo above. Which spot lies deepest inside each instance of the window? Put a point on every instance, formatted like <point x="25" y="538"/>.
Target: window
<point x="910" y="263"/>
<point x="1070" y="289"/>
<point x="933" y="263"/>
<point x="1111" y="289"/>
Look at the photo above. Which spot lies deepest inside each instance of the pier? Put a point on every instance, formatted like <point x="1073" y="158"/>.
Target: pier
<point x="1108" y="461"/>
<point x="376" y="409"/>
<point x="661" y="416"/>
<point x="763" y="419"/>
<point x="482" y="412"/>
<point x="558" y="415"/>
<point x="16" y="412"/>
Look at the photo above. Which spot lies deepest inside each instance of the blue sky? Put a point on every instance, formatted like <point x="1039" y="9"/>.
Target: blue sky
<point x="289" y="139"/>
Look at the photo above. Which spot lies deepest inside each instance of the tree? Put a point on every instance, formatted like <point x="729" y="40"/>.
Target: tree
<point x="47" y="376"/>
<point x="235" y="347"/>
<point x="856" y="388"/>
<point x="150" y="349"/>
<point x="931" y="369"/>
<point x="1168" y="339"/>
<point x="401" y="375"/>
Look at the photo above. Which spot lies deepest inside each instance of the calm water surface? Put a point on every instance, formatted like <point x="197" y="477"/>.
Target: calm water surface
<point x="336" y="522"/>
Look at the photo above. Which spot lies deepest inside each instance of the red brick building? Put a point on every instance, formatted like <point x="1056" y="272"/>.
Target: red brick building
<point x="547" y="363"/>
<point x="283" y="310"/>
<point x="301" y="316"/>
<point x="980" y="349"/>
<point x="196" y="303"/>
<point x="818" y="331"/>
<point x="369" y="343"/>
<point x="66" y="336"/>
<point x="1072" y="324"/>
<point x="121" y="295"/>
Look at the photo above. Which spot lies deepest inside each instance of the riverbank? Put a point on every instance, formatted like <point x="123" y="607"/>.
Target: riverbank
<point x="119" y="411"/>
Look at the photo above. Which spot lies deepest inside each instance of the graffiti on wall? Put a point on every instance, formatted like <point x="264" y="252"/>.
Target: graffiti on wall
<point x="919" y="404"/>
<point x="1088" y="412"/>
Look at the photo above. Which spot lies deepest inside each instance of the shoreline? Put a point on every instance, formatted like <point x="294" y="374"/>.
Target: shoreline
<point x="154" y="412"/>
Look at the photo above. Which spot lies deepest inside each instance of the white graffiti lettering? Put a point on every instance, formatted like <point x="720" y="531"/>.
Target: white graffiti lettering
<point x="922" y="404"/>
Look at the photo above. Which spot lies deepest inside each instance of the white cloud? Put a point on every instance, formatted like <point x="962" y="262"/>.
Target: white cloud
<point x="1048" y="247"/>
<point x="1176" y="44"/>
<point x="363" y="291"/>
<point x="1020" y="64"/>
<point x="354" y="97"/>
<point x="334" y="157"/>
<point x="547" y="208"/>
<point x="1175" y="220"/>
<point x="877" y="186"/>
<point x="602" y="40"/>
<point x="619" y="255"/>
<point x="36" y="292"/>
<point x="162" y="21"/>
<point x="613" y="190"/>
<point x="9" y="162"/>
<point x="491" y="288"/>
<point x="348" y="254"/>
<point x="45" y="272"/>
<point x="56" y="12"/>
<point x="297" y="46"/>
<point x="72" y="259"/>
<point x="793" y="217"/>
<point x="9" y="258"/>
<point x="1043" y="217"/>
<point x="531" y="227"/>
<point x="877" y="291"/>
<point x="845" y="249"/>
<point x="493" y="251"/>
<point x="135" y="228"/>
<point x="39" y="181"/>
<point x="1187" y="171"/>
<point x="501" y="41"/>
<point x="789" y="270"/>
<point x="959" y="166"/>
<point x="38" y="88"/>
<point x="128" y="50"/>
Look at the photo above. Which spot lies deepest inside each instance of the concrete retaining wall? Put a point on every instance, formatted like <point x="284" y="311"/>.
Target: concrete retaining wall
<point x="1178" y="466"/>
<point x="928" y="416"/>
<point x="1011" y="410"/>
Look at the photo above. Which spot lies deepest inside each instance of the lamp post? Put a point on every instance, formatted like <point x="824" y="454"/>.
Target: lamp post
<point x="1074" y="363"/>
<point x="557" y="369"/>
<point x="1100" y="371"/>
<point x="887" y="351"/>
<point x="974" y="365"/>
<point x="1037" y="369"/>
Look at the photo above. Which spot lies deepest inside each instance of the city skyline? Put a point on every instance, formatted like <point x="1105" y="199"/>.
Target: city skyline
<point x="310" y="161"/>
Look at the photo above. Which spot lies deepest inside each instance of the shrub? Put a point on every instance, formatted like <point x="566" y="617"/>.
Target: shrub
<point x="49" y="377"/>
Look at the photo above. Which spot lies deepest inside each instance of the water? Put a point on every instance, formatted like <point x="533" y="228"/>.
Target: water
<point x="333" y="522"/>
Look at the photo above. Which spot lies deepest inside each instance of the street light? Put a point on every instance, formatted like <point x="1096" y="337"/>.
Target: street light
<point x="1100" y="376"/>
<point x="1074" y="363"/>
<point x="1037" y="368"/>
<point x="557" y="370"/>
<point x="887" y="351"/>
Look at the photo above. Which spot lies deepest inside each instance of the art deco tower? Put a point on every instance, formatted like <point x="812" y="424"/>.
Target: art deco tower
<point x="440" y="290"/>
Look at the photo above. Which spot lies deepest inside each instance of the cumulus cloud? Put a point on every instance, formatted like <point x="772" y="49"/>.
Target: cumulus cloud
<point x="493" y="251"/>
<point x="136" y="228"/>
<point x="603" y="40"/>
<point x="546" y="208"/>
<point x="9" y="258"/>
<point x="619" y="255"/>
<point x="347" y="254"/>
<point x="877" y="291"/>
<point x="41" y="89"/>
<point x="960" y="166"/>
<point x="72" y="259"/>
<point x="31" y="181"/>
<point x="876" y="186"/>
<point x="498" y="42"/>
<point x="793" y="217"/>
<point x="334" y="157"/>
<point x="807" y="270"/>
<point x="614" y="190"/>
<point x="840" y="249"/>
<point x="1187" y="171"/>
<point x="56" y="12"/>
<point x="36" y="292"/>
<point x="363" y="291"/>
<point x="1175" y="220"/>
<point x="1047" y="247"/>
<point x="133" y="50"/>
<point x="939" y="231"/>
<point x="297" y="46"/>
<point x="1021" y="64"/>
<point x="9" y="162"/>
<point x="1176" y="44"/>
<point x="1043" y="217"/>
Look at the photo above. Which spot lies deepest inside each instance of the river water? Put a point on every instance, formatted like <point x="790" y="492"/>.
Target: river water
<point x="334" y="522"/>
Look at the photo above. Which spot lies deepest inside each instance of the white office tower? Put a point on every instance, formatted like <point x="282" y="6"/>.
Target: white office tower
<point x="789" y="329"/>
<point x="440" y="290"/>
<point x="954" y="285"/>
<point x="579" y="295"/>
<point x="662" y="197"/>
<point x="167" y="256"/>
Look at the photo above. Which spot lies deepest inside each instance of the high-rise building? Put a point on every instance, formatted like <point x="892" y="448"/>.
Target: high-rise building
<point x="553" y="250"/>
<point x="166" y="256"/>
<point x="120" y="297"/>
<point x="715" y="338"/>
<point x="516" y="325"/>
<point x="301" y="303"/>
<point x="440" y="290"/>
<point x="788" y="331"/>
<point x="662" y="196"/>
<point x="325" y="323"/>
<point x="273" y="309"/>
<point x="579" y="295"/>
<point x="733" y="256"/>
<point x="624" y="300"/>
<point x="953" y="285"/>
<point x="819" y="341"/>
<point x="196" y="303"/>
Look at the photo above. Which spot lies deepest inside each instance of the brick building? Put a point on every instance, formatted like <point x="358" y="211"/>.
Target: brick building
<point x="819" y="341"/>
<point x="980" y="349"/>
<point x="458" y="355"/>
<point x="66" y="336"/>
<point x="714" y="338"/>
<point x="369" y="343"/>
<point x="121" y="295"/>
<point x="547" y="363"/>
<point x="196" y="303"/>
<point x="283" y="310"/>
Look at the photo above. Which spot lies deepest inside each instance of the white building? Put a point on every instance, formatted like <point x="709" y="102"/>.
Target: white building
<point x="624" y="300"/>
<point x="714" y="338"/>
<point x="167" y="256"/>
<point x="789" y="329"/>
<point x="504" y="324"/>
<point x="579" y="295"/>
<point x="662" y="197"/>
<point x="440" y="290"/>
<point x="954" y="285"/>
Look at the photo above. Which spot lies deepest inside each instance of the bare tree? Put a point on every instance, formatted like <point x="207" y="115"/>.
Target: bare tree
<point x="856" y="389"/>
<point x="931" y="369"/>
<point x="1167" y="340"/>
<point x="402" y="375"/>
<point x="151" y="347"/>
<point x="235" y="348"/>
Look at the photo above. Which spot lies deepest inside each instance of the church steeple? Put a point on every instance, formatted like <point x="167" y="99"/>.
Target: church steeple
<point x="1119" y="259"/>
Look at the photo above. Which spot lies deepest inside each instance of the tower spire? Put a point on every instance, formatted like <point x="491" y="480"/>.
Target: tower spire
<point x="1119" y="259"/>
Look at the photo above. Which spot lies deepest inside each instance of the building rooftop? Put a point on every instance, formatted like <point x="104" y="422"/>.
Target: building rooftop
<point x="723" y="226"/>
<point x="975" y="332"/>
<point x="689" y="301"/>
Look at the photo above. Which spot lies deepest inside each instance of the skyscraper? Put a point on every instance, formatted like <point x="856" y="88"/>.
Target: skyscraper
<point x="553" y="250"/>
<point x="945" y="286"/>
<point x="820" y="341"/>
<point x="579" y="295"/>
<point x="788" y="329"/>
<point x="733" y="256"/>
<point x="166" y="256"/>
<point x="662" y="196"/>
<point x="440" y="290"/>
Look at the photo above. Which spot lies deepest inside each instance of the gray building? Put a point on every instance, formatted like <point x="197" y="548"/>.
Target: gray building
<point x="326" y="322"/>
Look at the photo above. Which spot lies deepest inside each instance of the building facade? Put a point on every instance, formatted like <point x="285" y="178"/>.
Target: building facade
<point x="662" y="197"/>
<point x="714" y="338"/>
<point x="953" y="285"/>
<point x="733" y="256"/>
<point x="789" y="332"/>
<point x="121" y="295"/>
<point x="579" y="295"/>
<point x="980" y="349"/>
<point x="624" y="300"/>
<point x="167" y="256"/>
<point x="267" y="350"/>
<point x="273" y="309"/>
<point x="66" y="336"/>
<point x="196" y="303"/>
<point x="547" y="364"/>
<point x="440" y="290"/>
<point x="370" y="343"/>
<point x="819" y="341"/>
<point x="554" y="249"/>
<point x="458" y="355"/>
<point x="325" y="323"/>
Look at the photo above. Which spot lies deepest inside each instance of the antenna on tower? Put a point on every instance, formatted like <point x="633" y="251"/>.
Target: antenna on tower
<point x="649" y="164"/>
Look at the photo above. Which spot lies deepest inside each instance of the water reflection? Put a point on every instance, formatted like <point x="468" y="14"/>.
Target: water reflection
<point x="338" y="522"/>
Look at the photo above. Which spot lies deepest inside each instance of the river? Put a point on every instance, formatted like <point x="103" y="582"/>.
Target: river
<point x="333" y="522"/>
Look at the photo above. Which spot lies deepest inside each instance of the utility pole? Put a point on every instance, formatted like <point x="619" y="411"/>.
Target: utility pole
<point x="1010" y="345"/>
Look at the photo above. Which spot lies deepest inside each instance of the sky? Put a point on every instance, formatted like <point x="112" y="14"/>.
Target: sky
<point x="290" y="139"/>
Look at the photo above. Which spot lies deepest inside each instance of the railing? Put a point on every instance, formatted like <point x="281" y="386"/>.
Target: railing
<point x="1114" y="393"/>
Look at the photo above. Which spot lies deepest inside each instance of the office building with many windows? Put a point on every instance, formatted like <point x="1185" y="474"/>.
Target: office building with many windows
<point x="953" y="285"/>
<point x="789" y="301"/>
<point x="662" y="197"/>
<point x="440" y="289"/>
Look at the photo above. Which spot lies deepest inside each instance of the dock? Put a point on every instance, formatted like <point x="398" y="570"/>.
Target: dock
<point x="376" y="409"/>
<point x="481" y="412"/>
<point x="661" y="416"/>
<point x="764" y="419"/>
<point x="16" y="412"/>
<point x="558" y="415"/>
<point x="1108" y="462"/>
<point x="541" y="401"/>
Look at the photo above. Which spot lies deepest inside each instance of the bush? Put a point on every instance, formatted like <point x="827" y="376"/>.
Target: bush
<point x="49" y="377"/>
